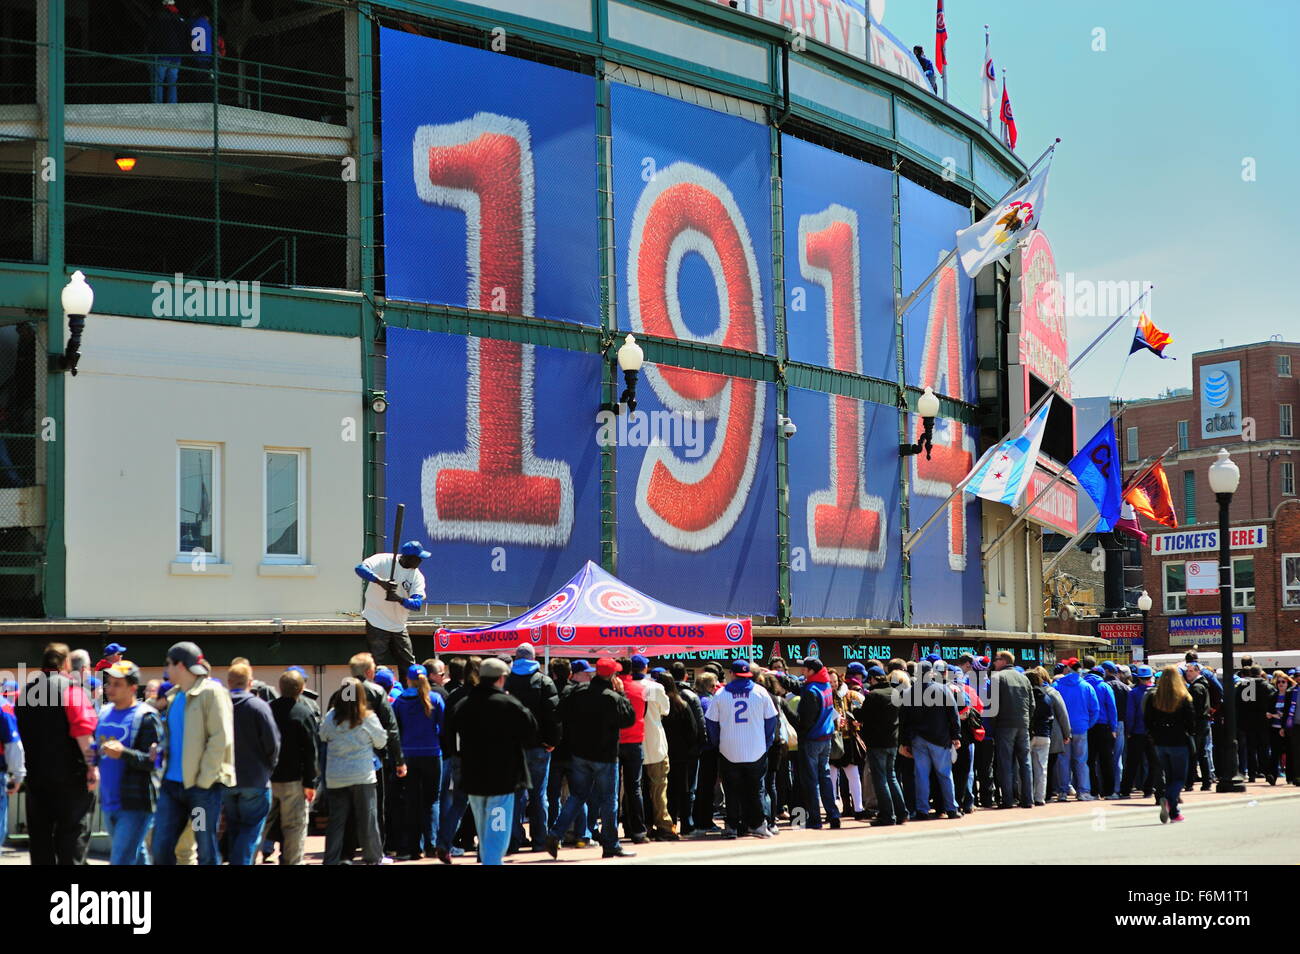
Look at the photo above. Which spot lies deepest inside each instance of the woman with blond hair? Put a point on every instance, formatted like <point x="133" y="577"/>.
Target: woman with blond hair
<point x="1171" y="722"/>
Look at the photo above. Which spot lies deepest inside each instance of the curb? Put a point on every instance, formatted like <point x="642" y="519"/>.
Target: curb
<point x="924" y="832"/>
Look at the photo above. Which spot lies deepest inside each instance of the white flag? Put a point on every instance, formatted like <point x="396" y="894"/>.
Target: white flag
<point x="994" y="236"/>
<point x="1003" y="474"/>
<point x="989" y="83"/>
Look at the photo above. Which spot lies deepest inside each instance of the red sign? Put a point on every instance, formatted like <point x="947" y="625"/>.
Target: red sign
<point x="1059" y="508"/>
<point x="1119" y="630"/>
<point x="1044" y="351"/>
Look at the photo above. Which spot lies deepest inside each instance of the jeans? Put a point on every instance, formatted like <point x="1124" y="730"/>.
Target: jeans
<point x="743" y="784"/>
<point x="361" y="804"/>
<point x="890" y="804"/>
<point x="929" y="756"/>
<point x="1039" y="747"/>
<point x="128" y="828"/>
<point x="454" y="802"/>
<point x="681" y="789"/>
<point x="1202" y="749"/>
<point x="1078" y="763"/>
<point x="1140" y="768"/>
<point x="1121" y="745"/>
<point x="178" y="806"/>
<point x="165" y="73"/>
<point x="493" y="816"/>
<point x="532" y="800"/>
<point x="1173" y="759"/>
<point x="421" y="791"/>
<point x="246" y="811"/>
<point x="1013" y="764"/>
<point x="590" y="782"/>
<point x="1101" y="759"/>
<point x="630" y="758"/>
<point x="815" y="767"/>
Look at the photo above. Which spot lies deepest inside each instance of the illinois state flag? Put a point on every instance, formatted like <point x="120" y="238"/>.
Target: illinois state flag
<point x="1151" y="338"/>
<point x="993" y="237"/>
<point x="1150" y="497"/>
<point x="1008" y="119"/>
<point x="1097" y="469"/>
<point x="1005" y="471"/>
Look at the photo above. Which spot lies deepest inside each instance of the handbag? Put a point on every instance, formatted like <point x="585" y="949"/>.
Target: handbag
<point x="837" y="746"/>
<point x="787" y="731"/>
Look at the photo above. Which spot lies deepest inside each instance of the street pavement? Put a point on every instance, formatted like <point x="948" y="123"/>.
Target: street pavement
<point x="1260" y="827"/>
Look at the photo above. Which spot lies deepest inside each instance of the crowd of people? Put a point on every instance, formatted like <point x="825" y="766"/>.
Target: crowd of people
<point x="498" y="756"/>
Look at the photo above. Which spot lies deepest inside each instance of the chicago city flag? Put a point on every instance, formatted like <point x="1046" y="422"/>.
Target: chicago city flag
<point x="1150" y="497"/>
<point x="1005" y="471"/>
<point x="994" y="236"/>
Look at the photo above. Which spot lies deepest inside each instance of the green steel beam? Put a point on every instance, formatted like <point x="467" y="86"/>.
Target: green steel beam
<point x="784" y="596"/>
<point x="904" y="465"/>
<point x="608" y="305"/>
<point x="54" y="584"/>
<point x="372" y="519"/>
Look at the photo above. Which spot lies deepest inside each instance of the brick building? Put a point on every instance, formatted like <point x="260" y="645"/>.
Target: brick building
<point x="1242" y="399"/>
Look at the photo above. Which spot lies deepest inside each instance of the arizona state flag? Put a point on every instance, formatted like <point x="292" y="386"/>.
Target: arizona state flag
<point x="1007" y="117"/>
<point x="1150" y="337"/>
<point x="940" y="41"/>
<point x="1150" y="497"/>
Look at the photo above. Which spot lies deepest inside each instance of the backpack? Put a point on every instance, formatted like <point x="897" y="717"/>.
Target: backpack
<point x="1044" y="718"/>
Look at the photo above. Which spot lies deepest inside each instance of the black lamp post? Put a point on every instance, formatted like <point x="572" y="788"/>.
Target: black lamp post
<point x="927" y="405"/>
<point x="1224" y="477"/>
<point x="77" y="299"/>
<point x="630" y="357"/>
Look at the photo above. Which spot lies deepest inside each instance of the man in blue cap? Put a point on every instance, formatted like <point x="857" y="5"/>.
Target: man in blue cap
<point x="393" y="594"/>
<point x="113" y="654"/>
<point x="1140" y="767"/>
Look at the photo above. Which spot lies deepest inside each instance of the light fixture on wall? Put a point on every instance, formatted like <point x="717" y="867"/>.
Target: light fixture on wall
<point x="378" y="401"/>
<point x="124" y="161"/>
<point x="630" y="358"/>
<point x="927" y="405"/>
<point x="77" y="299"/>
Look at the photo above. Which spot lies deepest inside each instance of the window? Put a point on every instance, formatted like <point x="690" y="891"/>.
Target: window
<point x="1189" y="496"/>
<point x="1131" y="442"/>
<point x="1175" y="588"/>
<point x="1284" y="366"/>
<point x="1288" y="478"/>
<point x="1243" y="582"/>
<point x="1291" y="579"/>
<point x="1182" y="435"/>
<point x="285" y="501"/>
<point x="1284" y="419"/>
<point x="198" y="495"/>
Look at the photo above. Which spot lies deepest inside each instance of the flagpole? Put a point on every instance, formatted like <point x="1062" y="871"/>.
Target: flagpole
<point x="988" y="118"/>
<point x="912" y="538"/>
<point x="1006" y="139"/>
<point x="904" y="305"/>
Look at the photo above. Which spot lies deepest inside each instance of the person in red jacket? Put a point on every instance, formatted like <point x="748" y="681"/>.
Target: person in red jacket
<point x="113" y="654"/>
<point x="631" y="748"/>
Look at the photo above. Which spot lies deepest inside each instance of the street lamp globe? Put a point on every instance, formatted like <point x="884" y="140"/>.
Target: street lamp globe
<point x="1224" y="474"/>
<point x="1144" y="602"/>
<point x="927" y="405"/>
<point x="630" y="355"/>
<point x="77" y="296"/>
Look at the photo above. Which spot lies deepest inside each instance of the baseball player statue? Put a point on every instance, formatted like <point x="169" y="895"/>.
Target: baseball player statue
<point x="393" y="593"/>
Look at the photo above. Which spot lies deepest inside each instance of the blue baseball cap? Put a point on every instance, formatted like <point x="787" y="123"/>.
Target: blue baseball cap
<point x="297" y="669"/>
<point x="1109" y="666"/>
<point x="114" y="648"/>
<point x="656" y="670"/>
<point x="856" y="668"/>
<point x="875" y="671"/>
<point x="933" y="657"/>
<point x="416" y="671"/>
<point x="384" y="678"/>
<point x="1143" y="672"/>
<point x="740" y="667"/>
<point x="416" y="549"/>
<point x="581" y="665"/>
<point x="639" y="663"/>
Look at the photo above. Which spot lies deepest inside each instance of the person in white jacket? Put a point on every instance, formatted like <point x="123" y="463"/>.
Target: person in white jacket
<point x="659" y="824"/>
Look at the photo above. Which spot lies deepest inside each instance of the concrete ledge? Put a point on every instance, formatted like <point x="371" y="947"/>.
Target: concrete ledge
<point x="209" y="569"/>
<point x="286" y="569"/>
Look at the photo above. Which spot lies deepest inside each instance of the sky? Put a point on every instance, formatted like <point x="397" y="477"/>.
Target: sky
<point x="1147" y="184"/>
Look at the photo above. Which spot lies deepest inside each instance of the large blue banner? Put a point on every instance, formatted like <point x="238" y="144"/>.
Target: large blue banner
<point x="500" y="484"/>
<point x="844" y="508"/>
<point x="489" y="166"/>
<point x="692" y="208"/>
<point x="692" y="203"/>
<point x="697" y="495"/>
<point x="838" y="260"/>
<point x="939" y="344"/>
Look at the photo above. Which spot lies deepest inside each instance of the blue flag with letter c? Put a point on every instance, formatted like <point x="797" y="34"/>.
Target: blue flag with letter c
<point x="1097" y="468"/>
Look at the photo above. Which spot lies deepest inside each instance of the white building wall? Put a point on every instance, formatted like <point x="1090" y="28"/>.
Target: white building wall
<point x="145" y="385"/>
